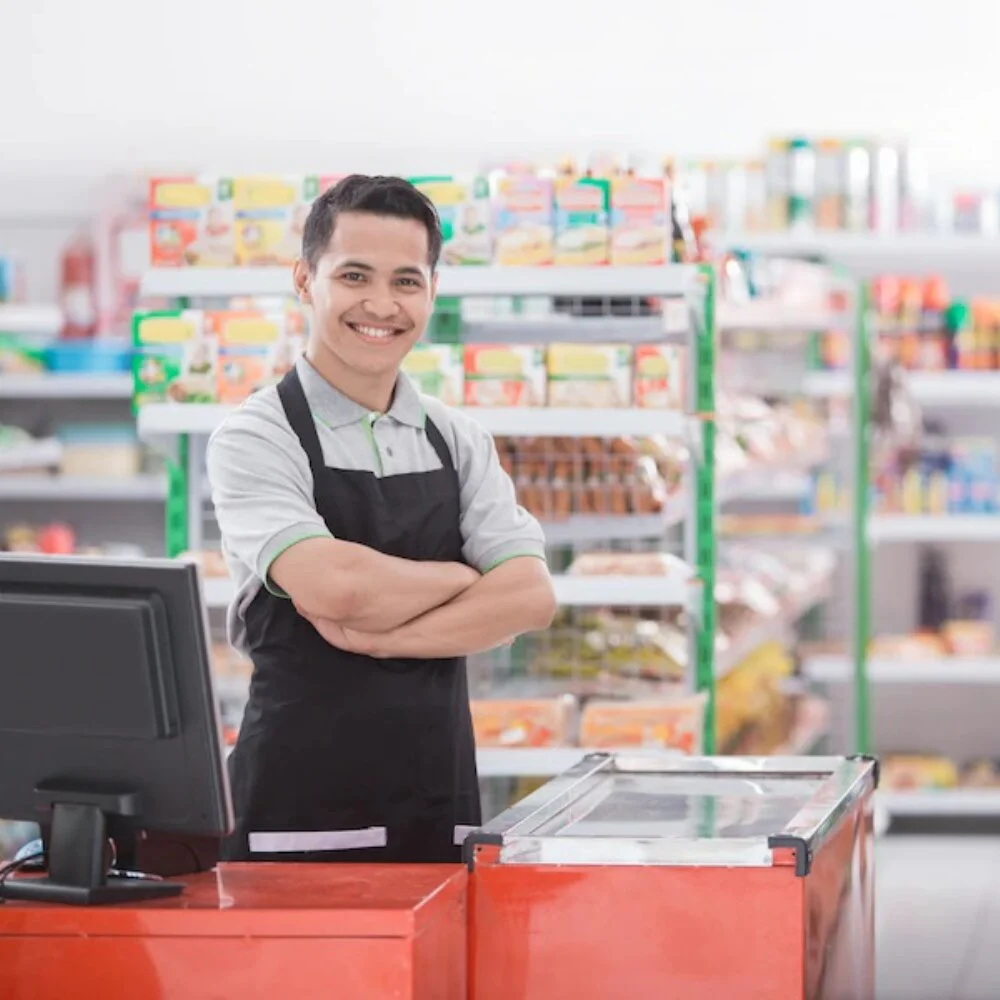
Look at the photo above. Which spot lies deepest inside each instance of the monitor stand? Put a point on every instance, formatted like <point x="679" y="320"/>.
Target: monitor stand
<point x="78" y="853"/>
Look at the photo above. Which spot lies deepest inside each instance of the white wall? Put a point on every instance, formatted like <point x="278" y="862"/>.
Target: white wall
<point x="114" y="85"/>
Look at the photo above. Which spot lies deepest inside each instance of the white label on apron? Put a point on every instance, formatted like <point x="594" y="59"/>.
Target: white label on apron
<point x="316" y="840"/>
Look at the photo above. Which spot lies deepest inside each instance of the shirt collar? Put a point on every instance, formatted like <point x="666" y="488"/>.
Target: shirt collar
<point x="336" y="410"/>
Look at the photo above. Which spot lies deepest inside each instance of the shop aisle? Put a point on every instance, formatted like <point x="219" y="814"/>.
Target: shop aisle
<point x="938" y="918"/>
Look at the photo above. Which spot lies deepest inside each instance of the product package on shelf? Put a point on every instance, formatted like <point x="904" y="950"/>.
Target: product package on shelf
<point x="753" y="713"/>
<point x="525" y="722"/>
<point x="269" y="217"/>
<point x="659" y="376"/>
<point x="191" y="222"/>
<point x="505" y="375"/>
<point x="439" y="371"/>
<point x="523" y="219"/>
<point x="556" y="478"/>
<point x="669" y="723"/>
<point x="463" y="205"/>
<point x="639" y="221"/>
<point x="255" y="350"/>
<point x="590" y="375"/>
<point x="582" y="234"/>
<point x="175" y="359"/>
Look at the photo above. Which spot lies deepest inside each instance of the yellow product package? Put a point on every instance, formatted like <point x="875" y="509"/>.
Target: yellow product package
<point x="504" y="375"/>
<point x="256" y="349"/>
<point x="523" y="219"/>
<point x="270" y="215"/>
<point x="175" y="358"/>
<point x="590" y="375"/>
<point x="464" y="209"/>
<point x="439" y="371"/>
<point x="191" y="222"/>
<point x="659" y="376"/>
<point x="639" y="220"/>
<point x="582" y="232"/>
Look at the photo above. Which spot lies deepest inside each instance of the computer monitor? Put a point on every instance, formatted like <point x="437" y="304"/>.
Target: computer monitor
<point x="108" y="719"/>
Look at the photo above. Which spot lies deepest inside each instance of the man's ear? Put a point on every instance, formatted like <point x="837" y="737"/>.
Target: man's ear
<point x="301" y="276"/>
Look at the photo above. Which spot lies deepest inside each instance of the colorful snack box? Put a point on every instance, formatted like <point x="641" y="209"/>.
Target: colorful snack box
<point x="255" y="350"/>
<point x="191" y="222"/>
<point x="175" y="359"/>
<point x="504" y="375"/>
<point x="675" y="723"/>
<point x="583" y="235"/>
<point x="590" y="375"/>
<point x="439" y="371"/>
<point x="639" y="220"/>
<point x="464" y="209"/>
<point x="659" y="376"/>
<point x="526" y="722"/>
<point x="270" y="216"/>
<point x="523" y="219"/>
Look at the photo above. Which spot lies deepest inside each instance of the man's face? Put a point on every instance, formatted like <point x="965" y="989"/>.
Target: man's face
<point x="372" y="291"/>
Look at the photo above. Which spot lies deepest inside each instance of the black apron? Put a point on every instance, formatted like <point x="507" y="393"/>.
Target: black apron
<point x="339" y="753"/>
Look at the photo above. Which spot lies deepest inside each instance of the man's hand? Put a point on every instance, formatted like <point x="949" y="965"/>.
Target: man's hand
<point x="348" y="639"/>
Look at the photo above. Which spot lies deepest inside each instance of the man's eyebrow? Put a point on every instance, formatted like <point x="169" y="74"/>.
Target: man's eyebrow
<point x="416" y="271"/>
<point x="355" y="265"/>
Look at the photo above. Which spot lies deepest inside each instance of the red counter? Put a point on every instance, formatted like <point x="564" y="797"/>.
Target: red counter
<point x="251" y="931"/>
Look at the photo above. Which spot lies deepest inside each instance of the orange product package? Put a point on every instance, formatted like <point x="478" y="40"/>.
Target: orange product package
<point x="672" y="723"/>
<point x="255" y="350"/>
<point x="191" y="222"/>
<point x="504" y="375"/>
<point x="543" y="722"/>
<point x="659" y="376"/>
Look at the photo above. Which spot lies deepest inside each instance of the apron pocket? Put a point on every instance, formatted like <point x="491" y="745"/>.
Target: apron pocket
<point x="303" y="841"/>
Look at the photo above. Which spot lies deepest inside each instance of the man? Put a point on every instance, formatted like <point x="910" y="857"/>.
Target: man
<point x="375" y="541"/>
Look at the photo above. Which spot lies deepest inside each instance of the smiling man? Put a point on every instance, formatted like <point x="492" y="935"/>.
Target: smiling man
<point x="375" y="541"/>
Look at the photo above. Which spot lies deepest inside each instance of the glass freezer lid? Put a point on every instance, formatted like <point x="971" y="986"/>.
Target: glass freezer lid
<point x="616" y="809"/>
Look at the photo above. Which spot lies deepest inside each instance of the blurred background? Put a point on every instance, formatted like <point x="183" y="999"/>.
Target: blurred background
<point x="837" y="173"/>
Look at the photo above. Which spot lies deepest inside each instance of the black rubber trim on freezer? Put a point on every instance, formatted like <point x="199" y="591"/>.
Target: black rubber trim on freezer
<point x="871" y="758"/>
<point x="474" y="839"/>
<point x="803" y="860"/>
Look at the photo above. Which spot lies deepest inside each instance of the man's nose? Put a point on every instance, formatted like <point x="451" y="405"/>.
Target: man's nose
<point x="381" y="305"/>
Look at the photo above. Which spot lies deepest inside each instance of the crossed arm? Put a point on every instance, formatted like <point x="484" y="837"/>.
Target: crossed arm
<point x="366" y="602"/>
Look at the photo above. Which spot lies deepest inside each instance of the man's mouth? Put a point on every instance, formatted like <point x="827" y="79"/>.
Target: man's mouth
<point x="375" y="334"/>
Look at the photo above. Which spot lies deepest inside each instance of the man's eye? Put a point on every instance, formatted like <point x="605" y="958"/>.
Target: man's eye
<point x="409" y="282"/>
<point x="353" y="276"/>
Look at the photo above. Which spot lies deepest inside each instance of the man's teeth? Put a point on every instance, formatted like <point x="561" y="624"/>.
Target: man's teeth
<point x="374" y="331"/>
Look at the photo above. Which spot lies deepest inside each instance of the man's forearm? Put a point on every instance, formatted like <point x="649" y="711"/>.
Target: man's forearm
<point x="362" y="589"/>
<point x="514" y="598"/>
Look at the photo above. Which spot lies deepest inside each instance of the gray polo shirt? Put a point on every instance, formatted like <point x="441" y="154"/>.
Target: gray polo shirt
<point x="262" y="486"/>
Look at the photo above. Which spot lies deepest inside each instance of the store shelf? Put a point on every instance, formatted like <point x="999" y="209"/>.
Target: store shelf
<point x="562" y="326"/>
<point x="65" y="386"/>
<point x="83" y="488"/>
<point x="452" y="281"/>
<point x="956" y="802"/>
<point x="766" y="483"/>
<point x="604" y="528"/>
<point x="934" y="528"/>
<point x="774" y="629"/>
<point x="197" y="418"/>
<point x="945" y="389"/>
<point x="39" y="454"/>
<point x="838" y="669"/>
<point x="24" y="318"/>
<point x="571" y="591"/>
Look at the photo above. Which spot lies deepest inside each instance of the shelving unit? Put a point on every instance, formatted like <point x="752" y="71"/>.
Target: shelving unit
<point x="83" y="488"/>
<point x="951" y="802"/>
<point x="836" y="669"/>
<point x="938" y="389"/>
<point x="886" y="528"/>
<point x="50" y="386"/>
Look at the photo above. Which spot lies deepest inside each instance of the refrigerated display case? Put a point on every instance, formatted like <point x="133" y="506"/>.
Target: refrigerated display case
<point x="679" y="876"/>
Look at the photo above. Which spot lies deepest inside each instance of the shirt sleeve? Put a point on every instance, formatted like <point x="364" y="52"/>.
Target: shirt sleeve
<point x="495" y="527"/>
<point x="262" y="489"/>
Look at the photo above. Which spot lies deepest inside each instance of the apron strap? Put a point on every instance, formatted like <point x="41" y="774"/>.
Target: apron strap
<point x="440" y="447"/>
<point x="300" y="419"/>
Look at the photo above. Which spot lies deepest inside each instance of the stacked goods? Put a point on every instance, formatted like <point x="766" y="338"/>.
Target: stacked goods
<point x="556" y="478"/>
<point x="927" y="772"/>
<point x="752" y="711"/>
<point x="525" y="722"/>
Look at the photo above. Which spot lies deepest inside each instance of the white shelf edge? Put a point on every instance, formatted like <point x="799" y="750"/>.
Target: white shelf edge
<point x="837" y="669"/>
<point x="54" y="386"/>
<point x="887" y="528"/>
<point x="83" y="488"/>
<point x="775" y="317"/>
<point x="947" y="388"/>
<point x="943" y="802"/>
<point x="30" y="318"/>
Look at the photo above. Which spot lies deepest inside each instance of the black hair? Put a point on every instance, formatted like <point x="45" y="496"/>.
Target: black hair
<point x="391" y="196"/>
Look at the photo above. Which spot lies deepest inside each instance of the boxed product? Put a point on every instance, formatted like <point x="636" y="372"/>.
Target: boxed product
<point x="542" y="722"/>
<point x="915" y="772"/>
<point x="583" y="234"/>
<point x="659" y="376"/>
<point x="175" y="360"/>
<point x="590" y="375"/>
<point x="99" y="450"/>
<point x="673" y="723"/>
<point x="523" y="220"/>
<point x="639" y="222"/>
<point x="191" y="222"/>
<point x="504" y="375"/>
<point x="270" y="216"/>
<point x="255" y="350"/>
<point x="464" y="209"/>
<point x="439" y="371"/>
